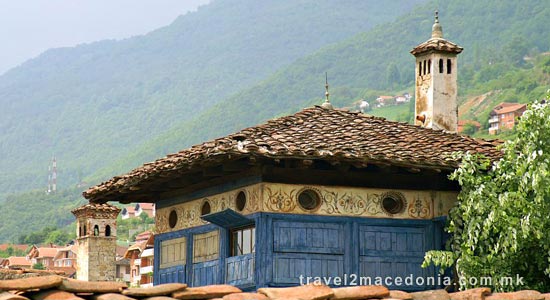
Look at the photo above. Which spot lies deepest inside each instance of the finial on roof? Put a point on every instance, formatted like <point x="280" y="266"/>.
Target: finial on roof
<point x="437" y="30"/>
<point x="326" y="104"/>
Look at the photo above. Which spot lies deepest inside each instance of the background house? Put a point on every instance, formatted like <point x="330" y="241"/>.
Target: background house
<point x="140" y="256"/>
<point x="42" y="255"/>
<point x="16" y="262"/>
<point x="504" y="116"/>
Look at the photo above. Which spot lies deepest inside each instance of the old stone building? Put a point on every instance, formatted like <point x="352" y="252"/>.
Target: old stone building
<point x="323" y="192"/>
<point x="96" y="241"/>
<point x="436" y="81"/>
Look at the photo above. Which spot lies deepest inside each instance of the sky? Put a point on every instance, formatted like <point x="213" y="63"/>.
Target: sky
<point x="29" y="27"/>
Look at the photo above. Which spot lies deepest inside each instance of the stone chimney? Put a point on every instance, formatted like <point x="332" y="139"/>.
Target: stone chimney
<point x="436" y="81"/>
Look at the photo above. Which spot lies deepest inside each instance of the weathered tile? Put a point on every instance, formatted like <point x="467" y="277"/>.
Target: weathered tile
<point x="55" y="295"/>
<point x="79" y="286"/>
<point x="10" y="296"/>
<point x="360" y="292"/>
<point x="206" y="292"/>
<point x="245" y="296"/>
<point x="520" y="295"/>
<point x="431" y="295"/>
<point x="158" y="290"/>
<point x="396" y="294"/>
<point x="31" y="283"/>
<point x="111" y="296"/>
<point x="471" y="294"/>
<point x="304" y="292"/>
<point x="159" y="298"/>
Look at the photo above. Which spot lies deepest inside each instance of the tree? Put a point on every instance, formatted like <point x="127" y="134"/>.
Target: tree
<point x="38" y="266"/>
<point x="500" y="222"/>
<point x="393" y="77"/>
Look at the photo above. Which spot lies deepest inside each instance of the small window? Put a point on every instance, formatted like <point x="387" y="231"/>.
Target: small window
<point x="107" y="230"/>
<point x="309" y="199"/>
<point x="173" y="219"/>
<point x="419" y="68"/>
<point x="440" y="65"/>
<point x="80" y="231"/>
<point x="96" y="230"/>
<point x="393" y="203"/>
<point x="205" y="209"/>
<point x="429" y="65"/>
<point x="243" y="241"/>
<point x="424" y="68"/>
<point x="448" y="66"/>
<point x="240" y="201"/>
<point x="85" y="232"/>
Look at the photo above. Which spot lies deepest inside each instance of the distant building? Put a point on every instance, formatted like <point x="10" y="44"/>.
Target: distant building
<point x="65" y="257"/>
<point x="504" y="116"/>
<point x="128" y="212"/>
<point x="147" y="208"/>
<point x="16" y="262"/>
<point x="42" y="255"/>
<point x="385" y="100"/>
<point x="141" y="259"/>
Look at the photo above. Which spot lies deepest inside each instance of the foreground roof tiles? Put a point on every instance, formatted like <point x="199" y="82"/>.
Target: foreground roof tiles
<point x="313" y="133"/>
<point x="56" y="287"/>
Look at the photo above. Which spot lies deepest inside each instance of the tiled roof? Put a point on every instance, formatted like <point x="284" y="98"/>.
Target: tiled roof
<point x="71" y="248"/>
<point x="47" y="252"/>
<point x="437" y="44"/>
<point x="147" y="206"/>
<point x="104" y="207"/>
<point x="121" y="250"/>
<point x="18" y="261"/>
<point x="510" y="108"/>
<point x="313" y="133"/>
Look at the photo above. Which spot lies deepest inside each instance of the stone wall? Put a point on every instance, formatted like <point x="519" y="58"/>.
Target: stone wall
<point x="96" y="258"/>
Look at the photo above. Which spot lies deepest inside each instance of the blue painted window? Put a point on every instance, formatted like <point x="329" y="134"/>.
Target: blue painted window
<point x="243" y="241"/>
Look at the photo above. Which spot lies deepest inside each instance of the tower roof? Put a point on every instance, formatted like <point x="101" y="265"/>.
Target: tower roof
<point x="437" y="42"/>
<point x="103" y="210"/>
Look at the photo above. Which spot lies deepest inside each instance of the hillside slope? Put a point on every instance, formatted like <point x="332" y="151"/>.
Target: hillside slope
<point x="93" y="104"/>
<point x="495" y="34"/>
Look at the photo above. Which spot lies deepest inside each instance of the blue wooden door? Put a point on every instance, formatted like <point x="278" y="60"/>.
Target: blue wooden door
<point x="392" y="252"/>
<point x="306" y="249"/>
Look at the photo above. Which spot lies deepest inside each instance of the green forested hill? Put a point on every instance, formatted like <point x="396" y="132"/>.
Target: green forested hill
<point x="496" y="36"/>
<point x="93" y="104"/>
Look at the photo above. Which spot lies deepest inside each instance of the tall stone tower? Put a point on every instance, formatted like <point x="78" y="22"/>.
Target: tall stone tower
<point x="436" y="81"/>
<point x="96" y="241"/>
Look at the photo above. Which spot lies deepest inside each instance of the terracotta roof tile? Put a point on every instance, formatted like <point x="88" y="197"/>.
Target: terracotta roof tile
<point x="510" y="108"/>
<point x="18" y="261"/>
<point x="313" y="133"/>
<point x="437" y="44"/>
<point x="103" y="207"/>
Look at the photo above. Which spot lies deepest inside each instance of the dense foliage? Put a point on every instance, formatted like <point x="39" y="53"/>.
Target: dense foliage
<point x="12" y="251"/>
<point x="127" y="229"/>
<point x="500" y="223"/>
<point x="37" y="218"/>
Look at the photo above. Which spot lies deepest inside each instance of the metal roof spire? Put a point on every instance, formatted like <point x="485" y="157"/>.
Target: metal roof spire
<point x="437" y="30"/>
<point x="327" y="104"/>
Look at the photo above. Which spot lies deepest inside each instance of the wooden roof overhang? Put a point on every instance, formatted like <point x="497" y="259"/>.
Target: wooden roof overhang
<point x="289" y="169"/>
